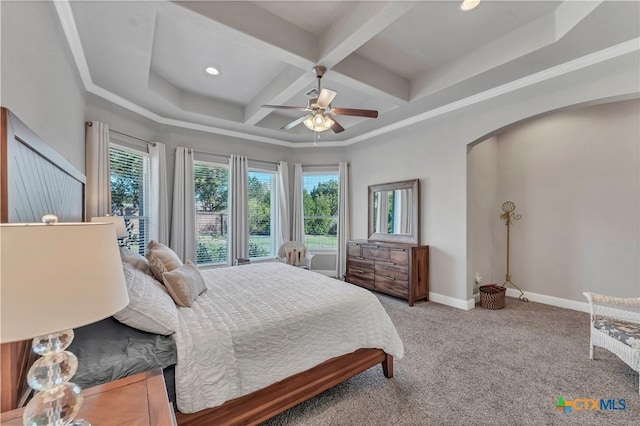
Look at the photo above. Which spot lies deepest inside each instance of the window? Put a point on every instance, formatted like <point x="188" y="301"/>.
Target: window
<point x="320" y="206"/>
<point x="130" y="193"/>
<point x="211" y="186"/>
<point x="262" y="222"/>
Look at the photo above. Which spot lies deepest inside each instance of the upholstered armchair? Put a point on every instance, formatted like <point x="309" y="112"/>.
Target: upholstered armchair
<point x="295" y="253"/>
<point x="615" y="326"/>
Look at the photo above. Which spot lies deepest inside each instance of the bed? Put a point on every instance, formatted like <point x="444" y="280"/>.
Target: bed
<point x="261" y="339"/>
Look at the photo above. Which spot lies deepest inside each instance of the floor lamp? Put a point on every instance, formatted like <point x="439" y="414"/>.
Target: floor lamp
<point x="56" y="276"/>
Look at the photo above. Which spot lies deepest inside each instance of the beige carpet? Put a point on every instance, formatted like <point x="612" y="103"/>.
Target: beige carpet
<point x="480" y="367"/>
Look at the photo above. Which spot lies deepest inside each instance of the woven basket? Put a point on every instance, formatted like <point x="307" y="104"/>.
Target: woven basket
<point x="492" y="296"/>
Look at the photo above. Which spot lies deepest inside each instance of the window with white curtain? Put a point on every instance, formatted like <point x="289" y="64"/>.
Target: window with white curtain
<point x="262" y="221"/>
<point x="211" y="186"/>
<point x="130" y="189"/>
<point x="320" y="206"/>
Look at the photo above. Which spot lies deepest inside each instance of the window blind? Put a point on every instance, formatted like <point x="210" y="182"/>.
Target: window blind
<point x="130" y="194"/>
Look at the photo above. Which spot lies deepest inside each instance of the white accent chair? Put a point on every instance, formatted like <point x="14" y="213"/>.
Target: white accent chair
<point x="295" y="253"/>
<point x="615" y="326"/>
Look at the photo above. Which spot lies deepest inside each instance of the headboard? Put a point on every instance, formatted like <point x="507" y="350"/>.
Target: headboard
<point x="34" y="180"/>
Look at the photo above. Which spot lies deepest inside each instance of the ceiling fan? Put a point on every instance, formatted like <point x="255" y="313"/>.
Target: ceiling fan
<point x="320" y="112"/>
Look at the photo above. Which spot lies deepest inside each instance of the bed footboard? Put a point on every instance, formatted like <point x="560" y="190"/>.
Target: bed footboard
<point x="265" y="403"/>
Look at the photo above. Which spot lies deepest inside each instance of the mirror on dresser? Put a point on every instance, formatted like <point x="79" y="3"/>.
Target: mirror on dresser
<point x="394" y="212"/>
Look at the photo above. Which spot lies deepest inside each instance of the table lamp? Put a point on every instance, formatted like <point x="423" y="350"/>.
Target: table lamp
<point x="118" y="221"/>
<point x="53" y="277"/>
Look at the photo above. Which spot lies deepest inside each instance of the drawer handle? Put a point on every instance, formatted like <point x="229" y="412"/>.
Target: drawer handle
<point x="388" y="263"/>
<point x="358" y="271"/>
<point x="359" y="257"/>
<point x="391" y="278"/>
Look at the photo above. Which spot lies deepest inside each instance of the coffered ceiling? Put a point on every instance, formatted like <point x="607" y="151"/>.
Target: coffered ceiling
<point x="408" y="60"/>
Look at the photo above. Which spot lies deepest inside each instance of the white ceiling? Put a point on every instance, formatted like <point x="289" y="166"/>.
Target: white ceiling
<point x="408" y="60"/>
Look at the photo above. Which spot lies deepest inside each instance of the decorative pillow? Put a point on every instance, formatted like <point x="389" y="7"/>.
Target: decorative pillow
<point x="184" y="284"/>
<point x="150" y="307"/>
<point x="138" y="261"/>
<point x="161" y="259"/>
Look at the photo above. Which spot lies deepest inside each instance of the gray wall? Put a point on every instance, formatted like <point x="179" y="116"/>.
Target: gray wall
<point x="435" y="151"/>
<point x="574" y="176"/>
<point x="39" y="80"/>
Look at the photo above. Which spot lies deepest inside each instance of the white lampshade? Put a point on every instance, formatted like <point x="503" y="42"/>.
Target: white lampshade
<point x="54" y="277"/>
<point x="118" y="221"/>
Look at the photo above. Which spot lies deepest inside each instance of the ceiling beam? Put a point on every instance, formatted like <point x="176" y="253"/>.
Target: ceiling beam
<point x="358" y="25"/>
<point x="540" y="33"/>
<point x="365" y="76"/>
<point x="253" y="26"/>
<point x="362" y="22"/>
<point x="282" y="88"/>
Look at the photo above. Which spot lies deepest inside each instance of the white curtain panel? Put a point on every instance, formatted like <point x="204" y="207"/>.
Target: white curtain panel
<point x="343" y="219"/>
<point x="238" y="209"/>
<point x="98" y="186"/>
<point x="298" y="211"/>
<point x="183" y="227"/>
<point x="282" y="204"/>
<point x="159" y="215"/>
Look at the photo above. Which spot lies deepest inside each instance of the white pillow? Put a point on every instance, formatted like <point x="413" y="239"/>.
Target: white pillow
<point x="150" y="307"/>
<point x="184" y="284"/>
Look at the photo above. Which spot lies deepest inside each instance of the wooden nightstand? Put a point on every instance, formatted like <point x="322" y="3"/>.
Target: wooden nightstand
<point x="135" y="400"/>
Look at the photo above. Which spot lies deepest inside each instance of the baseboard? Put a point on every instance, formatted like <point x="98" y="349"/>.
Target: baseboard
<point x="452" y="301"/>
<point x="534" y="297"/>
<point x="551" y="300"/>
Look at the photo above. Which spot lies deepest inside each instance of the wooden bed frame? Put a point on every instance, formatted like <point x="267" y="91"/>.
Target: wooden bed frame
<point x="265" y="403"/>
<point x="249" y="409"/>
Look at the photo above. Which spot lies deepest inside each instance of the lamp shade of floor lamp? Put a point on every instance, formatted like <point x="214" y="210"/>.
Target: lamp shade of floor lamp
<point x="54" y="277"/>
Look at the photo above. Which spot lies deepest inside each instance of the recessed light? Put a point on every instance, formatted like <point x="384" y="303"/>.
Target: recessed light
<point x="469" y="4"/>
<point x="212" y="71"/>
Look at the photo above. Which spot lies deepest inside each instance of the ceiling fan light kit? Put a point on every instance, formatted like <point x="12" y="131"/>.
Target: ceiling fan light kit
<point x="319" y="122"/>
<point x="320" y="112"/>
<point x="467" y="5"/>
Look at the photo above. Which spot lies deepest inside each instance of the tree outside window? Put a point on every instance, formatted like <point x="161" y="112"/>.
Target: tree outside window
<point x="320" y="204"/>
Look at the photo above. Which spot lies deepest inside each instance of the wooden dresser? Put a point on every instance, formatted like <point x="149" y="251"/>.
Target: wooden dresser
<point x="397" y="269"/>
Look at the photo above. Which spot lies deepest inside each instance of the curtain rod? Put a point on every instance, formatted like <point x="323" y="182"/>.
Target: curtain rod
<point x="89" y="123"/>
<point x="227" y="156"/>
<point x="132" y="137"/>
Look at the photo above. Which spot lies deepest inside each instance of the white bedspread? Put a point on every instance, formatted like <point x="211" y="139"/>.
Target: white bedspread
<point x="257" y="324"/>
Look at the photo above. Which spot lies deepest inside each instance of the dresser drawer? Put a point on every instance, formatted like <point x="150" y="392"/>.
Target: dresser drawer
<point x="362" y="279"/>
<point x="392" y="286"/>
<point x="399" y="256"/>
<point x="360" y="263"/>
<point x="376" y="253"/>
<point x="390" y="269"/>
<point x="353" y="250"/>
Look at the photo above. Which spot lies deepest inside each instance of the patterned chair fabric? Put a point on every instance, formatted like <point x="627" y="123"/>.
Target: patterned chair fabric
<point x="623" y="331"/>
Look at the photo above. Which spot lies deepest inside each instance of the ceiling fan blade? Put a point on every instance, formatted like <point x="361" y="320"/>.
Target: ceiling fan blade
<point x="369" y="113"/>
<point x="294" y="123"/>
<point x="325" y="98"/>
<point x="285" y="107"/>
<point x="337" y="128"/>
